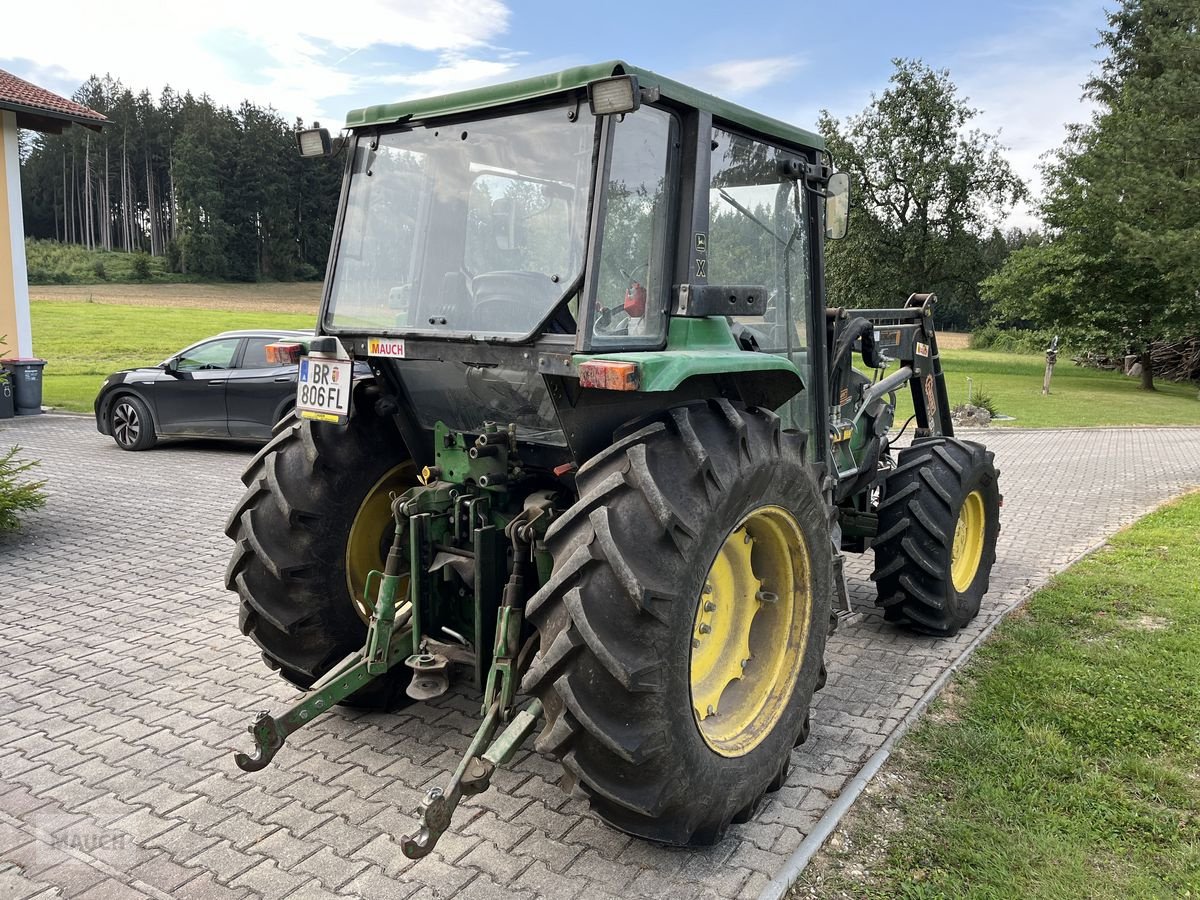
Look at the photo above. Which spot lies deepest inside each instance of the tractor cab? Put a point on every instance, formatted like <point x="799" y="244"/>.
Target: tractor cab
<point x="604" y="216"/>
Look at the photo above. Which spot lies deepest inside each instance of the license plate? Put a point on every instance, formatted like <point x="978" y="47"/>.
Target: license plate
<point x="323" y="390"/>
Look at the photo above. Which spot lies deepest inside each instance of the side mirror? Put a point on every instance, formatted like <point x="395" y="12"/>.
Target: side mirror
<point x="172" y="365"/>
<point x="837" y="206"/>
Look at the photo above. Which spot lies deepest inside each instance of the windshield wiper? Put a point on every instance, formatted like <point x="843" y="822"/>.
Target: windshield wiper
<point x="749" y="215"/>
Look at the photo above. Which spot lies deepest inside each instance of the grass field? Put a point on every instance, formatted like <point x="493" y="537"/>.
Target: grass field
<point x="88" y="331"/>
<point x="83" y="342"/>
<point x="295" y="297"/>
<point x="1065" y="760"/>
<point x="1078" y="397"/>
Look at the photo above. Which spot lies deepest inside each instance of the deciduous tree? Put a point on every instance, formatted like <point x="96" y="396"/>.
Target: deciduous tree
<point x="1123" y="202"/>
<point x="927" y="188"/>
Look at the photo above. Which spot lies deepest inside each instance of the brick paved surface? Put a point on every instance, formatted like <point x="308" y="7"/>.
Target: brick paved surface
<point x="124" y="685"/>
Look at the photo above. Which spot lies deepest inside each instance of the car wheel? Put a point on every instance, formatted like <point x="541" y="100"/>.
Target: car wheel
<point x="130" y="424"/>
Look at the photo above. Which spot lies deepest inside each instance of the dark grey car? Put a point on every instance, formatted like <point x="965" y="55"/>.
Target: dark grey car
<point x="221" y="387"/>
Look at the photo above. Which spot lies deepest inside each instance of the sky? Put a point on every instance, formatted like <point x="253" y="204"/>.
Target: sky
<point x="1021" y="63"/>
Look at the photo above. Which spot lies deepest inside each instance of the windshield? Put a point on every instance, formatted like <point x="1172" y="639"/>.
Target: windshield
<point x="476" y="228"/>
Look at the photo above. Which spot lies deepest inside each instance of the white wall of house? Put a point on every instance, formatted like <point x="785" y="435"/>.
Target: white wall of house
<point x="14" y="278"/>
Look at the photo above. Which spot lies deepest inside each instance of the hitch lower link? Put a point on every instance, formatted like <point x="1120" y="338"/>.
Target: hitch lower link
<point x="356" y="670"/>
<point x="387" y="646"/>
<point x="473" y="775"/>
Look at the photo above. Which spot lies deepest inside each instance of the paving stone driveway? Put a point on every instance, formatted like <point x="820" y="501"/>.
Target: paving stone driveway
<point x="124" y="684"/>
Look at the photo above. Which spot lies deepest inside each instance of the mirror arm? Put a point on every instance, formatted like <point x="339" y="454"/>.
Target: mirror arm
<point x="816" y="178"/>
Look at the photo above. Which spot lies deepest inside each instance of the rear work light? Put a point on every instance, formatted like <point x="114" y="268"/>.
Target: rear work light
<point x="314" y="142"/>
<point x="609" y="96"/>
<point x="283" y="353"/>
<point x="609" y="375"/>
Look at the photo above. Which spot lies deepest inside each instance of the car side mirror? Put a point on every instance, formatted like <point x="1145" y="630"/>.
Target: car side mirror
<point x="172" y="365"/>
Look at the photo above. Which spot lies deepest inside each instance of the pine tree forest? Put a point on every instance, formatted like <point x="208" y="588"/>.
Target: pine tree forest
<point x="219" y="193"/>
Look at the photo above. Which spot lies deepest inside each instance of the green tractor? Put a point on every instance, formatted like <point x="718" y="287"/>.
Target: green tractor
<point x="612" y="451"/>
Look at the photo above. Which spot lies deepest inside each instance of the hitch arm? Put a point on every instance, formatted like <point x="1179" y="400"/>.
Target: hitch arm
<point x="338" y="683"/>
<point x="380" y="654"/>
<point x="473" y="775"/>
<point x="270" y="732"/>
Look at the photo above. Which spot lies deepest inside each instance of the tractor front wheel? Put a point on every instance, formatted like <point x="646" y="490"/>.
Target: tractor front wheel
<point x="314" y="520"/>
<point x="683" y="626"/>
<point x="939" y="516"/>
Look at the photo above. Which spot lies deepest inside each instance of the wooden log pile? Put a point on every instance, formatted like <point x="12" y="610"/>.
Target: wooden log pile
<point x="1176" y="361"/>
<point x="1173" y="360"/>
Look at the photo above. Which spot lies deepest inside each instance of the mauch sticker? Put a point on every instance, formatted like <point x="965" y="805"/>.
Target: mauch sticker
<point x="922" y="349"/>
<point x="390" y="347"/>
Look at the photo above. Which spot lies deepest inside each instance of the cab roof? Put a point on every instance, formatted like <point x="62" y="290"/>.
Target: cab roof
<point x="573" y="79"/>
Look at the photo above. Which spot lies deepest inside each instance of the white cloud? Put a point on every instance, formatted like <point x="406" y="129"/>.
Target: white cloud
<point x="454" y="73"/>
<point x="736" y="77"/>
<point x="1031" y="108"/>
<point x="1028" y="86"/>
<point x="290" y="54"/>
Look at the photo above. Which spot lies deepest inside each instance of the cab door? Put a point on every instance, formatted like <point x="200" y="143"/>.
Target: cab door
<point x="758" y="234"/>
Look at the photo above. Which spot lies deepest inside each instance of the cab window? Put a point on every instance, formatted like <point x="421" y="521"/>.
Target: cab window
<point x="758" y="235"/>
<point x="632" y="277"/>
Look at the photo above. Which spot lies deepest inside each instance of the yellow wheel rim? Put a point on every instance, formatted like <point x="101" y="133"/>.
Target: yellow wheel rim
<point x="968" y="542"/>
<point x="750" y="631"/>
<point x="371" y="533"/>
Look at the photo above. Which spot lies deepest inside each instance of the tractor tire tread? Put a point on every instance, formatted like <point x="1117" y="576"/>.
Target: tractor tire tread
<point x="603" y="616"/>
<point x="287" y="565"/>
<point x="918" y="514"/>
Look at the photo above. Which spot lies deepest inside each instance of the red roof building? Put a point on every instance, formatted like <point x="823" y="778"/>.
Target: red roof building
<point x="40" y="110"/>
<point x="24" y="105"/>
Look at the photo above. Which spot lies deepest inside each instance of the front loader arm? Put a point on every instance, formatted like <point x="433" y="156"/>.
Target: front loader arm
<point x="907" y="334"/>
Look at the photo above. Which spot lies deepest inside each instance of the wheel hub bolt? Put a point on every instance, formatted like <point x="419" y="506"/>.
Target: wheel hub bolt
<point x="766" y="597"/>
<point x="711" y="711"/>
<point x="708" y="588"/>
<point x="705" y="628"/>
<point x="709" y="606"/>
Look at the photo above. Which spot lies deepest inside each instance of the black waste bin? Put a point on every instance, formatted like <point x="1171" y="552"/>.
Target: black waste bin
<point x="27" y="384"/>
<point x="6" y="396"/>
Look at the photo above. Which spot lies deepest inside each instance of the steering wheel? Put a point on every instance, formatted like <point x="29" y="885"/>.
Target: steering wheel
<point x="612" y="321"/>
<point x="508" y="296"/>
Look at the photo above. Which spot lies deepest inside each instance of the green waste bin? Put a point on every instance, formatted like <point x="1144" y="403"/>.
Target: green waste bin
<point x="27" y="384"/>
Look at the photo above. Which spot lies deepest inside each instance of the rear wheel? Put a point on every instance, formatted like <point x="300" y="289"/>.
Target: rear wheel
<point x="939" y="518"/>
<point x="684" y="623"/>
<point x="130" y="424"/>
<point x="314" y="520"/>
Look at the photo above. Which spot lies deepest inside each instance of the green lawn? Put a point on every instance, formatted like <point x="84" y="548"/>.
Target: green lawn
<point x="1066" y="761"/>
<point x="86" y="341"/>
<point x="83" y="342"/>
<point x="1078" y="397"/>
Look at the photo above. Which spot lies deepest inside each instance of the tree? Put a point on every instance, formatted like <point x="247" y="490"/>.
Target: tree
<point x="221" y="194"/>
<point x="1123" y="201"/>
<point x="926" y="190"/>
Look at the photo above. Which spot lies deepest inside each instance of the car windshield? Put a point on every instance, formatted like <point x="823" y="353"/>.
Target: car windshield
<point x="476" y="228"/>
